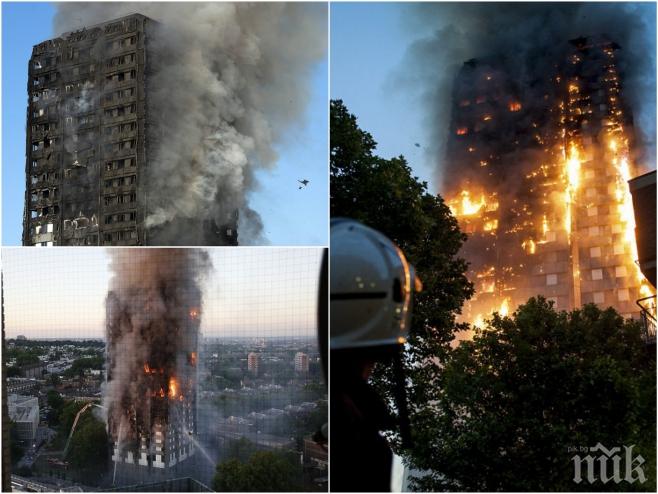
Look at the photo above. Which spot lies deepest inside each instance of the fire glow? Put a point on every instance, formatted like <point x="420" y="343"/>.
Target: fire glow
<point x="572" y="209"/>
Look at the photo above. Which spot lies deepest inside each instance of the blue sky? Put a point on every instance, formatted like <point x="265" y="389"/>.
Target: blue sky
<point x="368" y="43"/>
<point x="291" y="216"/>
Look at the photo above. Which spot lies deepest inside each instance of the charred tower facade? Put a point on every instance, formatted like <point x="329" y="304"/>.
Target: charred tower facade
<point x="90" y="135"/>
<point x="537" y="174"/>
<point x="153" y="319"/>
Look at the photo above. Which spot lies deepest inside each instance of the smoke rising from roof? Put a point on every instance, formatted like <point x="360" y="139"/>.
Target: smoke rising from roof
<point x="229" y="81"/>
<point x="531" y="36"/>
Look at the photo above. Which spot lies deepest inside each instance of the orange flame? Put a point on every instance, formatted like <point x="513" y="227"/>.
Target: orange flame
<point x="514" y="106"/>
<point x="173" y="387"/>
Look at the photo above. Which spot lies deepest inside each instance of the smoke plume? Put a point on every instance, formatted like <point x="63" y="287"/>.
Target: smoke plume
<point x="154" y="307"/>
<point x="532" y="37"/>
<point x="228" y="81"/>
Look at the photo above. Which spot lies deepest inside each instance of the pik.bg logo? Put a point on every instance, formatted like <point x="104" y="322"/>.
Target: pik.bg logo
<point x="608" y="465"/>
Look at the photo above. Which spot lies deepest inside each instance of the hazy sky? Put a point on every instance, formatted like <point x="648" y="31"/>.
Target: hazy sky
<point x="59" y="293"/>
<point x="290" y="216"/>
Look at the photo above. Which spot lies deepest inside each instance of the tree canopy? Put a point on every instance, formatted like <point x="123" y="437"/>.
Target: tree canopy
<point x="260" y="471"/>
<point x="383" y="194"/>
<point x="527" y="389"/>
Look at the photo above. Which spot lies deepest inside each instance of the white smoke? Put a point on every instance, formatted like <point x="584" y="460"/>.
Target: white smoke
<point x="228" y="81"/>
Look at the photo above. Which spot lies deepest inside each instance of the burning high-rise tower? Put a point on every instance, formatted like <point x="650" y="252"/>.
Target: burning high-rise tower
<point x="537" y="173"/>
<point x="94" y="130"/>
<point x="153" y="318"/>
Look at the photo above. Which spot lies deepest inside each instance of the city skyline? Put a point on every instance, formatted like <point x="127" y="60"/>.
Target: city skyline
<point x="255" y="292"/>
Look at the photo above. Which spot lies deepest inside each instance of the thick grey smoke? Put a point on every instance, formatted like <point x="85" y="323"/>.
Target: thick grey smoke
<point x="229" y="81"/>
<point x="531" y="36"/>
<point x="154" y="307"/>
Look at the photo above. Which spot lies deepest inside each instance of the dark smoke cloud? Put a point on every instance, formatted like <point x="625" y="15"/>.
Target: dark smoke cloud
<point x="531" y="36"/>
<point x="154" y="307"/>
<point x="231" y="79"/>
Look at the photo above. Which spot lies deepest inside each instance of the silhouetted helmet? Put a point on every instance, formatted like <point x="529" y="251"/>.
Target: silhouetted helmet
<point x="371" y="288"/>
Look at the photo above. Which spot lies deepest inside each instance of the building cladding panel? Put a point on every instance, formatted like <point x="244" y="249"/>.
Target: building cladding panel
<point x="506" y="171"/>
<point x="88" y="135"/>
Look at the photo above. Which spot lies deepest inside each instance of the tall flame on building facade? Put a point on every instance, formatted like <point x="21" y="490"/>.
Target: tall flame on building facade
<point x="549" y="167"/>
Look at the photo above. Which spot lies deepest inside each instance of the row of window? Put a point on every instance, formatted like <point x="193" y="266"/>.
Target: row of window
<point x="120" y="164"/>
<point x="81" y="120"/>
<point x="119" y="111"/>
<point x="44" y="194"/>
<point x="120" y="199"/>
<point x="44" y="127"/>
<point x="83" y="84"/>
<point x="120" y="235"/>
<point x="121" y="43"/>
<point x="45" y="177"/>
<point x="119" y="128"/>
<point x="115" y="147"/>
<point x="121" y="93"/>
<point x="45" y="211"/>
<point x="596" y="275"/>
<point x="45" y="79"/>
<point x="120" y="218"/>
<point x="42" y="63"/>
<point x="122" y="76"/>
<point x="47" y="228"/>
<point x="120" y="60"/>
<point x="119" y="181"/>
<point x="44" y="144"/>
<point x="45" y="94"/>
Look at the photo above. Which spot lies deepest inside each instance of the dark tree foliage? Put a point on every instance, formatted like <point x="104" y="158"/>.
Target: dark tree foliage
<point x="56" y="404"/>
<point x="264" y="471"/>
<point x="13" y="371"/>
<point x="80" y="365"/>
<point x="89" y="444"/>
<point x="15" y="444"/>
<point x="385" y="195"/>
<point x="529" y="387"/>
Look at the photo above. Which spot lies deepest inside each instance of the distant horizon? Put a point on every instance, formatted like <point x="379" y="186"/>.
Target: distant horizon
<point x="228" y="337"/>
<point x="49" y="293"/>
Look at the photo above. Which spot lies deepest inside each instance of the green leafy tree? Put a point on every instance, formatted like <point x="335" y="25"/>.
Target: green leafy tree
<point x="527" y="389"/>
<point x="241" y="449"/>
<point x="265" y="471"/>
<point x="383" y="194"/>
<point x="89" y="444"/>
<point x="67" y="415"/>
<point x="56" y="403"/>
<point x="80" y="365"/>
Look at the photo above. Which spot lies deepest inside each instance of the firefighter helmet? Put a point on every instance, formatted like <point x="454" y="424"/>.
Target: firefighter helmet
<point x="371" y="288"/>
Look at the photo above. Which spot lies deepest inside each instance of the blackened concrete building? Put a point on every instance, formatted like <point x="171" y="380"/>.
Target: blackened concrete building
<point x="90" y="131"/>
